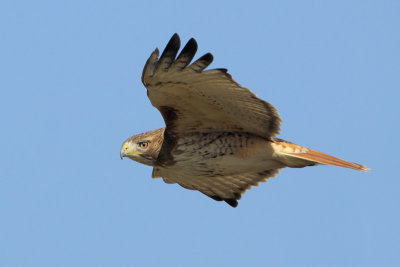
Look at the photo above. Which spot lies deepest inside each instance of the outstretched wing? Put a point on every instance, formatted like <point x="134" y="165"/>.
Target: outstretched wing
<point x="193" y="100"/>
<point x="223" y="188"/>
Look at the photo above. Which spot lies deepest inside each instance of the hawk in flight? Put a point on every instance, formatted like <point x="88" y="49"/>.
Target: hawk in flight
<point x="220" y="138"/>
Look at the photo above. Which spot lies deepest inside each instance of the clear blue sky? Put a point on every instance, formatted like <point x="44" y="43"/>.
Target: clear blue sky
<point x="71" y="94"/>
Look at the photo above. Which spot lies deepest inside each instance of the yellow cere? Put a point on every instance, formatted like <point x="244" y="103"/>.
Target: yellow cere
<point x="125" y="146"/>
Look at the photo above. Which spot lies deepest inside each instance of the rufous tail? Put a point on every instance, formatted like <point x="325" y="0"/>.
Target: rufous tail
<point x="300" y="152"/>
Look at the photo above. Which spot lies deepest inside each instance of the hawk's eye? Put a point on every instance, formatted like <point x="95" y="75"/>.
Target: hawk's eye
<point x="143" y="145"/>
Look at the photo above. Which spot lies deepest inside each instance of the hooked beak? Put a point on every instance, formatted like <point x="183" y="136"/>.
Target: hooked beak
<point x="124" y="152"/>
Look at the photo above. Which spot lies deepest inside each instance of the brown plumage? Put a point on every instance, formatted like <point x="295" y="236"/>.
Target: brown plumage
<point x="219" y="137"/>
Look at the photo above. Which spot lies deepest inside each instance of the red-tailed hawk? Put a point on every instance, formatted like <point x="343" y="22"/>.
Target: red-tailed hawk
<point x="220" y="138"/>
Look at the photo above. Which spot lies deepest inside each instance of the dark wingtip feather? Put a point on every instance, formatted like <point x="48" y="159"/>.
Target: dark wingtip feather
<point x="202" y="63"/>
<point x="190" y="48"/>
<point x="172" y="47"/>
<point x="186" y="55"/>
<point x="175" y="35"/>
<point x="232" y="202"/>
<point x="169" y="53"/>
<point x="207" y="58"/>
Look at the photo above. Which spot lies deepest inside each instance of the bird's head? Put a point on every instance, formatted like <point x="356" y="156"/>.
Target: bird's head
<point x="143" y="148"/>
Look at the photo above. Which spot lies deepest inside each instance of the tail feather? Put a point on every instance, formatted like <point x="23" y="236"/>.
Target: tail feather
<point x="293" y="150"/>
